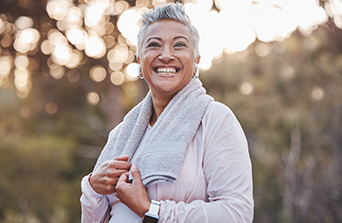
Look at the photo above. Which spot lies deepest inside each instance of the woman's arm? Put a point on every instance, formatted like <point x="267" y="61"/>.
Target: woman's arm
<point x="134" y="194"/>
<point x="102" y="182"/>
<point x="227" y="169"/>
<point x="95" y="186"/>
<point x="95" y="207"/>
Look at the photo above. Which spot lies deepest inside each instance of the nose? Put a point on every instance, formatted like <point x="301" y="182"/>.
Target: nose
<point x="166" y="55"/>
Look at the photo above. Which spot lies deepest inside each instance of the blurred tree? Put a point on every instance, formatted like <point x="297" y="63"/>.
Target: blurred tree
<point x="288" y="98"/>
<point x="34" y="173"/>
<point x="54" y="119"/>
<point x="55" y="115"/>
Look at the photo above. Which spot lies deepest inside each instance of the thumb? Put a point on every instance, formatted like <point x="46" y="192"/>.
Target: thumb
<point x="136" y="174"/>
<point x="122" y="179"/>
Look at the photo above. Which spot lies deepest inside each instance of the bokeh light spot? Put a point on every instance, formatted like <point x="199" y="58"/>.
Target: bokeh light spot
<point x="57" y="9"/>
<point x="51" y="107"/>
<point x="95" y="47"/>
<point x="279" y="47"/>
<point x="26" y="40"/>
<point x="5" y="66"/>
<point x="246" y="88"/>
<point x="74" y="16"/>
<point x="128" y="24"/>
<point x="93" y="98"/>
<point x="94" y="13"/>
<point x="287" y="72"/>
<point x="21" y="78"/>
<point x="6" y="41"/>
<point x="76" y="36"/>
<point x="22" y="82"/>
<point x="24" y="22"/>
<point x="73" y="76"/>
<point x="25" y="112"/>
<point x="62" y="25"/>
<point x="117" y="78"/>
<point x="109" y="41"/>
<point x="131" y="71"/>
<point x="21" y="61"/>
<point x="115" y="66"/>
<point x="46" y="47"/>
<point x="61" y="54"/>
<point x="56" y="71"/>
<point x="158" y="2"/>
<point x="98" y="73"/>
<point x="310" y="43"/>
<point x="262" y="49"/>
<point x="317" y="93"/>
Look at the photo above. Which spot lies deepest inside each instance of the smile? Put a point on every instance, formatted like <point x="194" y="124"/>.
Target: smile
<point x="166" y="71"/>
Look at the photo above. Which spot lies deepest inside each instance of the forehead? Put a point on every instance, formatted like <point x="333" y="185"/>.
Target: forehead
<point x="166" y="29"/>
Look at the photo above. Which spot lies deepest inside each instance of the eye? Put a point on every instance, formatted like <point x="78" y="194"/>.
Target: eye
<point x="180" y="44"/>
<point x="153" y="44"/>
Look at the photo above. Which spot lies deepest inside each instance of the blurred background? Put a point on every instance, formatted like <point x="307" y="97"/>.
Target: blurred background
<point x="67" y="77"/>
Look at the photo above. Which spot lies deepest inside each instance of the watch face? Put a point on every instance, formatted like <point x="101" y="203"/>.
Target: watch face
<point x="149" y="219"/>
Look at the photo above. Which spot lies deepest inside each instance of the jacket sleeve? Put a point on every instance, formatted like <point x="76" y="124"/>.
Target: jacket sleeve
<point x="95" y="207"/>
<point x="227" y="169"/>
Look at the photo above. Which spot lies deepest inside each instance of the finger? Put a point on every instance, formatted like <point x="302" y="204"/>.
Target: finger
<point x="123" y="179"/>
<point x="116" y="173"/>
<point x="136" y="175"/>
<point x="122" y="157"/>
<point x="118" y="164"/>
<point x="115" y="178"/>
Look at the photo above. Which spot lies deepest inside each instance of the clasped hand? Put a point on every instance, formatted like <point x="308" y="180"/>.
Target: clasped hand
<point x="112" y="176"/>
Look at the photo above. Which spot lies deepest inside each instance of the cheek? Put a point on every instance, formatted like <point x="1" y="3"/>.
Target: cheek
<point x="150" y="54"/>
<point x="185" y="56"/>
<point x="146" y="60"/>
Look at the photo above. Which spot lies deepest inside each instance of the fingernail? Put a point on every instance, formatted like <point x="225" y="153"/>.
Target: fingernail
<point x="134" y="167"/>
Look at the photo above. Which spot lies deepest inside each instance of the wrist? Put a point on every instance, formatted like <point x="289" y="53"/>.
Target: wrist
<point x="152" y="216"/>
<point x="145" y="208"/>
<point x="89" y="178"/>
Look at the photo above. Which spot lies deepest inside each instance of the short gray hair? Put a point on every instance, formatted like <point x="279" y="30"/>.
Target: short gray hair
<point x="171" y="11"/>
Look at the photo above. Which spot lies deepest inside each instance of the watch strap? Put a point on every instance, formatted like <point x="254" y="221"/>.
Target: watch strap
<point x="154" y="208"/>
<point x="152" y="215"/>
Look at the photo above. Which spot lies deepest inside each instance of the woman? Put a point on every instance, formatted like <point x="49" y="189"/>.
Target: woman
<point x="178" y="156"/>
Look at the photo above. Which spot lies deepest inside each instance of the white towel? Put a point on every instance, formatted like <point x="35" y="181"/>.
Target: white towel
<point x="164" y="149"/>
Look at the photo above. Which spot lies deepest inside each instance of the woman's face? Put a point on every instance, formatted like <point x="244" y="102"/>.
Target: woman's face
<point x="167" y="57"/>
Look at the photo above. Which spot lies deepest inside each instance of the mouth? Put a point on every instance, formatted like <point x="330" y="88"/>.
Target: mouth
<point x="166" y="71"/>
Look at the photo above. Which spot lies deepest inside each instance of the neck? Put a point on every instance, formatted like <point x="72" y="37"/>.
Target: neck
<point x="159" y="104"/>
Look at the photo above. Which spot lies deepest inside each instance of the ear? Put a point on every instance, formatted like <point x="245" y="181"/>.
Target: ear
<point x="198" y="59"/>
<point x="138" y="59"/>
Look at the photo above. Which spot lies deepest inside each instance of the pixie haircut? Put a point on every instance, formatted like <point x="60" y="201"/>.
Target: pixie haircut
<point x="171" y="11"/>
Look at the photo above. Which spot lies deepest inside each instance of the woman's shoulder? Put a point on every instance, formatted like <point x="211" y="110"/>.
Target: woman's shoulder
<point x="217" y="109"/>
<point x="115" y="130"/>
<point x="219" y="114"/>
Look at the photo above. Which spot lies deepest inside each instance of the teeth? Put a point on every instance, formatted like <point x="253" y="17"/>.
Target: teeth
<point x="168" y="70"/>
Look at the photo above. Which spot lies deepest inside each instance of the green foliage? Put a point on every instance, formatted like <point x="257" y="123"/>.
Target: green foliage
<point x="292" y="118"/>
<point x="33" y="175"/>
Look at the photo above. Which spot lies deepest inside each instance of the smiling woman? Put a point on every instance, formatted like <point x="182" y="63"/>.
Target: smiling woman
<point x="167" y="59"/>
<point x="178" y="156"/>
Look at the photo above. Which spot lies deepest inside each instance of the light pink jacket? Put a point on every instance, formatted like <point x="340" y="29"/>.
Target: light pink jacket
<point x="214" y="185"/>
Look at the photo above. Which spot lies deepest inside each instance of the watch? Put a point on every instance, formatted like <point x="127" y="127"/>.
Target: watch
<point x="152" y="215"/>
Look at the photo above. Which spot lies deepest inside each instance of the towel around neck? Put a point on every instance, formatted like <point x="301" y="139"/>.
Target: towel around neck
<point x="164" y="149"/>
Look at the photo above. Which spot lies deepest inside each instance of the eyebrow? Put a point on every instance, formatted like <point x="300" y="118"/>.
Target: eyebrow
<point x="153" y="38"/>
<point x="160" y="39"/>
<point x="179" y="37"/>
